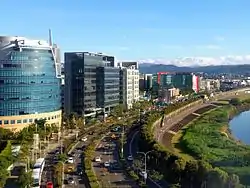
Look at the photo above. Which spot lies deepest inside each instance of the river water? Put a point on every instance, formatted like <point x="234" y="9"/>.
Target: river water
<point x="240" y="127"/>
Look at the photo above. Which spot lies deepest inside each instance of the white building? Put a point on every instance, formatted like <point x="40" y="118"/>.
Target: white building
<point x="130" y="83"/>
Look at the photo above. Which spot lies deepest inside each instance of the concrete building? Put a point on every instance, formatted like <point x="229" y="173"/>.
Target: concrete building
<point x="174" y="92"/>
<point x="90" y="81"/>
<point x="130" y="83"/>
<point x="29" y="85"/>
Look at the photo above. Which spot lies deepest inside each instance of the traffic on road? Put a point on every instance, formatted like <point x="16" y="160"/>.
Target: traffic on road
<point x="106" y="163"/>
<point x="73" y="167"/>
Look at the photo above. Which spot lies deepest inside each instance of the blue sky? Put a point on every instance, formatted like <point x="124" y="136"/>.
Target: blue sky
<point x="135" y="29"/>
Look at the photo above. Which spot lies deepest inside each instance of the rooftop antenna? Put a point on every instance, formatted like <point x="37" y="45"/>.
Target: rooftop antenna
<point x="50" y="37"/>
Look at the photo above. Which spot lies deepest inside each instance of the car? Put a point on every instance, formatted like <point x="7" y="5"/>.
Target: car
<point x="115" y="166"/>
<point x="49" y="184"/>
<point x="98" y="159"/>
<point x="130" y="158"/>
<point x="71" y="180"/>
<point x="143" y="174"/>
<point x="91" y="133"/>
<point x="84" y="139"/>
<point x="106" y="164"/>
<point x="70" y="169"/>
<point x="70" y="160"/>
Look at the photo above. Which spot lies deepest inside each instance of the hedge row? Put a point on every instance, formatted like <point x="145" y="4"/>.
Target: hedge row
<point x="175" y="169"/>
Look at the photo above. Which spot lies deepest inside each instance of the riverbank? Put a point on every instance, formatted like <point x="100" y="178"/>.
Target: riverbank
<point x="208" y="138"/>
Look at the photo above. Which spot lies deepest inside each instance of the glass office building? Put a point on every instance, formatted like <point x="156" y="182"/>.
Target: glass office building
<point x="29" y="87"/>
<point x="108" y="87"/>
<point x="183" y="80"/>
<point x="81" y="77"/>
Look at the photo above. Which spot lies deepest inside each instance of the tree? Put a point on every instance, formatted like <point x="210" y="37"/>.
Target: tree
<point x="235" y="101"/>
<point x="58" y="170"/>
<point x="118" y="110"/>
<point x="80" y="122"/>
<point x="24" y="179"/>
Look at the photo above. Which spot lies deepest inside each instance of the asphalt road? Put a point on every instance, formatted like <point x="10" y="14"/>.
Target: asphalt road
<point x="79" y="179"/>
<point x="51" y="160"/>
<point x="110" y="176"/>
<point x="169" y="122"/>
<point x="131" y="148"/>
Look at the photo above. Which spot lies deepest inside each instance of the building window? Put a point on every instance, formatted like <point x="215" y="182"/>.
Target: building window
<point x="0" y="122"/>
<point x="30" y="120"/>
<point x="19" y="121"/>
<point x="6" y="122"/>
<point x="12" y="122"/>
<point x="25" y="121"/>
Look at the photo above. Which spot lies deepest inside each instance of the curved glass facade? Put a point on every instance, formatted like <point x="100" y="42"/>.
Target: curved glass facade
<point x="28" y="82"/>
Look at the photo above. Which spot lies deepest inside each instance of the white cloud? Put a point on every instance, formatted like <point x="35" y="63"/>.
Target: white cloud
<point x="219" y="38"/>
<point x="202" y="61"/>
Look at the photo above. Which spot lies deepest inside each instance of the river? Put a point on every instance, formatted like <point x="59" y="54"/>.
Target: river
<point x="240" y="127"/>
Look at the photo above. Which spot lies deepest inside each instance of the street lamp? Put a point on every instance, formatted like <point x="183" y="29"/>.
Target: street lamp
<point x="145" y="162"/>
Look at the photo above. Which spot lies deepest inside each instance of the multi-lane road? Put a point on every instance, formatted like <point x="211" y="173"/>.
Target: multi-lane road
<point x="112" y="175"/>
<point x="79" y="180"/>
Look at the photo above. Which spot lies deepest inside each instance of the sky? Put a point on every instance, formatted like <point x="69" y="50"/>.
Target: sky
<point x="135" y="29"/>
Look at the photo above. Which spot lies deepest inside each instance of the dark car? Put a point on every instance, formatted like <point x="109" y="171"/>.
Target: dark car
<point x="79" y="170"/>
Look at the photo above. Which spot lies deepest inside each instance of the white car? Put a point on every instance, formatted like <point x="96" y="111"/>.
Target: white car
<point x="98" y="159"/>
<point x="143" y="174"/>
<point x="107" y="164"/>
<point x="84" y="139"/>
<point x="130" y="158"/>
<point x="70" y="160"/>
<point x="71" y="180"/>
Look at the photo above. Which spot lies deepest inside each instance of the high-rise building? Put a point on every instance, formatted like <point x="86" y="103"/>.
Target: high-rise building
<point x="86" y="80"/>
<point x="183" y="80"/>
<point x="29" y="86"/>
<point x="142" y="83"/>
<point x="57" y="54"/>
<point x="148" y="81"/>
<point x="108" y="88"/>
<point x="130" y="83"/>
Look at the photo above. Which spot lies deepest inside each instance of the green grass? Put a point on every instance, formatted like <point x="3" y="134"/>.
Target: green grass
<point x="205" y="139"/>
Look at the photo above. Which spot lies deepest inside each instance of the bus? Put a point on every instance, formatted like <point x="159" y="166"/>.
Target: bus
<point x="37" y="172"/>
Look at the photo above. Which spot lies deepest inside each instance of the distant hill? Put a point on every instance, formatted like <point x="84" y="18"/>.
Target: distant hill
<point x="148" y="68"/>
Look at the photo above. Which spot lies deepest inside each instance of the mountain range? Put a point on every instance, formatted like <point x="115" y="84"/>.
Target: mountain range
<point x="149" y="68"/>
<point x="228" y="64"/>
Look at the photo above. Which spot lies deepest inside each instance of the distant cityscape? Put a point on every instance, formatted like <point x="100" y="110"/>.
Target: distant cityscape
<point x="36" y="84"/>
